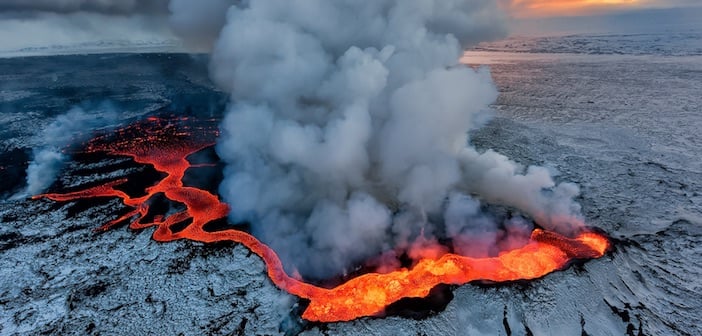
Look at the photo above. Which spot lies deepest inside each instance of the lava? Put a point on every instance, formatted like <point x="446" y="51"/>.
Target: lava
<point x="166" y="144"/>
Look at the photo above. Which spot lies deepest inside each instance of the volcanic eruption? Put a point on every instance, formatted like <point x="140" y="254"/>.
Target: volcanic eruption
<point x="329" y="168"/>
<point x="348" y="155"/>
<point x="166" y="144"/>
<point x="348" y="135"/>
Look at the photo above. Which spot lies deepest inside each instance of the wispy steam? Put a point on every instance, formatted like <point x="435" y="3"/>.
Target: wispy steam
<point x="348" y="129"/>
<point x="71" y="127"/>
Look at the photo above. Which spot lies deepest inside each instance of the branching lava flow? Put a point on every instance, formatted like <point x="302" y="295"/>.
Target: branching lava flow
<point x="166" y="144"/>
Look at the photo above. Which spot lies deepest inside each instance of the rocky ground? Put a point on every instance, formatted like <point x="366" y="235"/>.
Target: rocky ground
<point x="626" y="129"/>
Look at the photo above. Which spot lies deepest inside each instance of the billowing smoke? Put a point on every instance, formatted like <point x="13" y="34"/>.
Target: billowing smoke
<point x="198" y="22"/>
<point x="71" y="127"/>
<point x="348" y="131"/>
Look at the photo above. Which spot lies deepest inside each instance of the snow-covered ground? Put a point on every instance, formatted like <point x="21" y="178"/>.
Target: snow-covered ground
<point x="625" y="128"/>
<point x="663" y="32"/>
<point x="682" y="43"/>
<point x="97" y="47"/>
<point x="45" y="33"/>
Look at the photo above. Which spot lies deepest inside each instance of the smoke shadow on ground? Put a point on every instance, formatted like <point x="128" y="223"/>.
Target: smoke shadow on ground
<point x="206" y="170"/>
<point x="13" y="170"/>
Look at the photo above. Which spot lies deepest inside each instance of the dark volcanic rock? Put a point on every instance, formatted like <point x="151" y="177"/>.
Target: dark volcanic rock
<point x="632" y="145"/>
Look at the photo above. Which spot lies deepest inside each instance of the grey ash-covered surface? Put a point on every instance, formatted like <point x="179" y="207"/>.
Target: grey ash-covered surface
<point x="626" y="129"/>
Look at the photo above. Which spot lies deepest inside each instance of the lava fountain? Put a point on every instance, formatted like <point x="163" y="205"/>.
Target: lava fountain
<point x="166" y="144"/>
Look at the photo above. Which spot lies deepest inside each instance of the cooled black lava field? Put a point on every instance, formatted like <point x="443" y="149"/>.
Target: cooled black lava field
<point x="626" y="129"/>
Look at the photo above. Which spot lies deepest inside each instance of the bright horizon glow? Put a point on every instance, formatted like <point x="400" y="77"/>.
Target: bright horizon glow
<point x="544" y="8"/>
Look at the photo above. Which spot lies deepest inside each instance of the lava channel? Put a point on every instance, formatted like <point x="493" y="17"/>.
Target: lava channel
<point x="165" y="144"/>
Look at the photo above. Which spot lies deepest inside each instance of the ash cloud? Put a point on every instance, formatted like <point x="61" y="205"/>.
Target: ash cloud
<point x="348" y="132"/>
<point x="74" y="126"/>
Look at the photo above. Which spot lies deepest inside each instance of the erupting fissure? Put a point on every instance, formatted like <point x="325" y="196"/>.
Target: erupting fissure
<point x="166" y="144"/>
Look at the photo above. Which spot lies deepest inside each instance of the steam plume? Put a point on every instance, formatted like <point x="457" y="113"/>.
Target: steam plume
<point x="348" y="129"/>
<point x="66" y="129"/>
<point x="198" y="22"/>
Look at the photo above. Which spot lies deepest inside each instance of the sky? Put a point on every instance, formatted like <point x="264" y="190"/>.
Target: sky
<point x="565" y="17"/>
<point x="560" y="8"/>
<point x="518" y="8"/>
<point x="44" y="23"/>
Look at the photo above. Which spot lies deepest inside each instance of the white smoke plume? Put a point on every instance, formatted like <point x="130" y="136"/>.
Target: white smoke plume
<point x="348" y="131"/>
<point x="198" y="22"/>
<point x="71" y="127"/>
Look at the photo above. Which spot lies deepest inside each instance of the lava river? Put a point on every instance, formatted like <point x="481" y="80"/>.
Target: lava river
<point x="166" y="144"/>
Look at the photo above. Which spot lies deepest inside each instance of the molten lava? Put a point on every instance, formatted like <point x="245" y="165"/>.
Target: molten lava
<point x="165" y="144"/>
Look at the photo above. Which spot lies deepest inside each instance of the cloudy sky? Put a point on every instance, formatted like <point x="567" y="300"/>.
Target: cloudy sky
<point x="551" y="8"/>
<point x="519" y="8"/>
<point x="558" y="17"/>
<point x="44" y="23"/>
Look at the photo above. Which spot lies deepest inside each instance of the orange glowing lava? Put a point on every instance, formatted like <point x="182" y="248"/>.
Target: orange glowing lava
<point x="166" y="145"/>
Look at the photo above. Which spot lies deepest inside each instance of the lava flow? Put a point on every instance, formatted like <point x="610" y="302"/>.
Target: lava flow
<point x="167" y="144"/>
